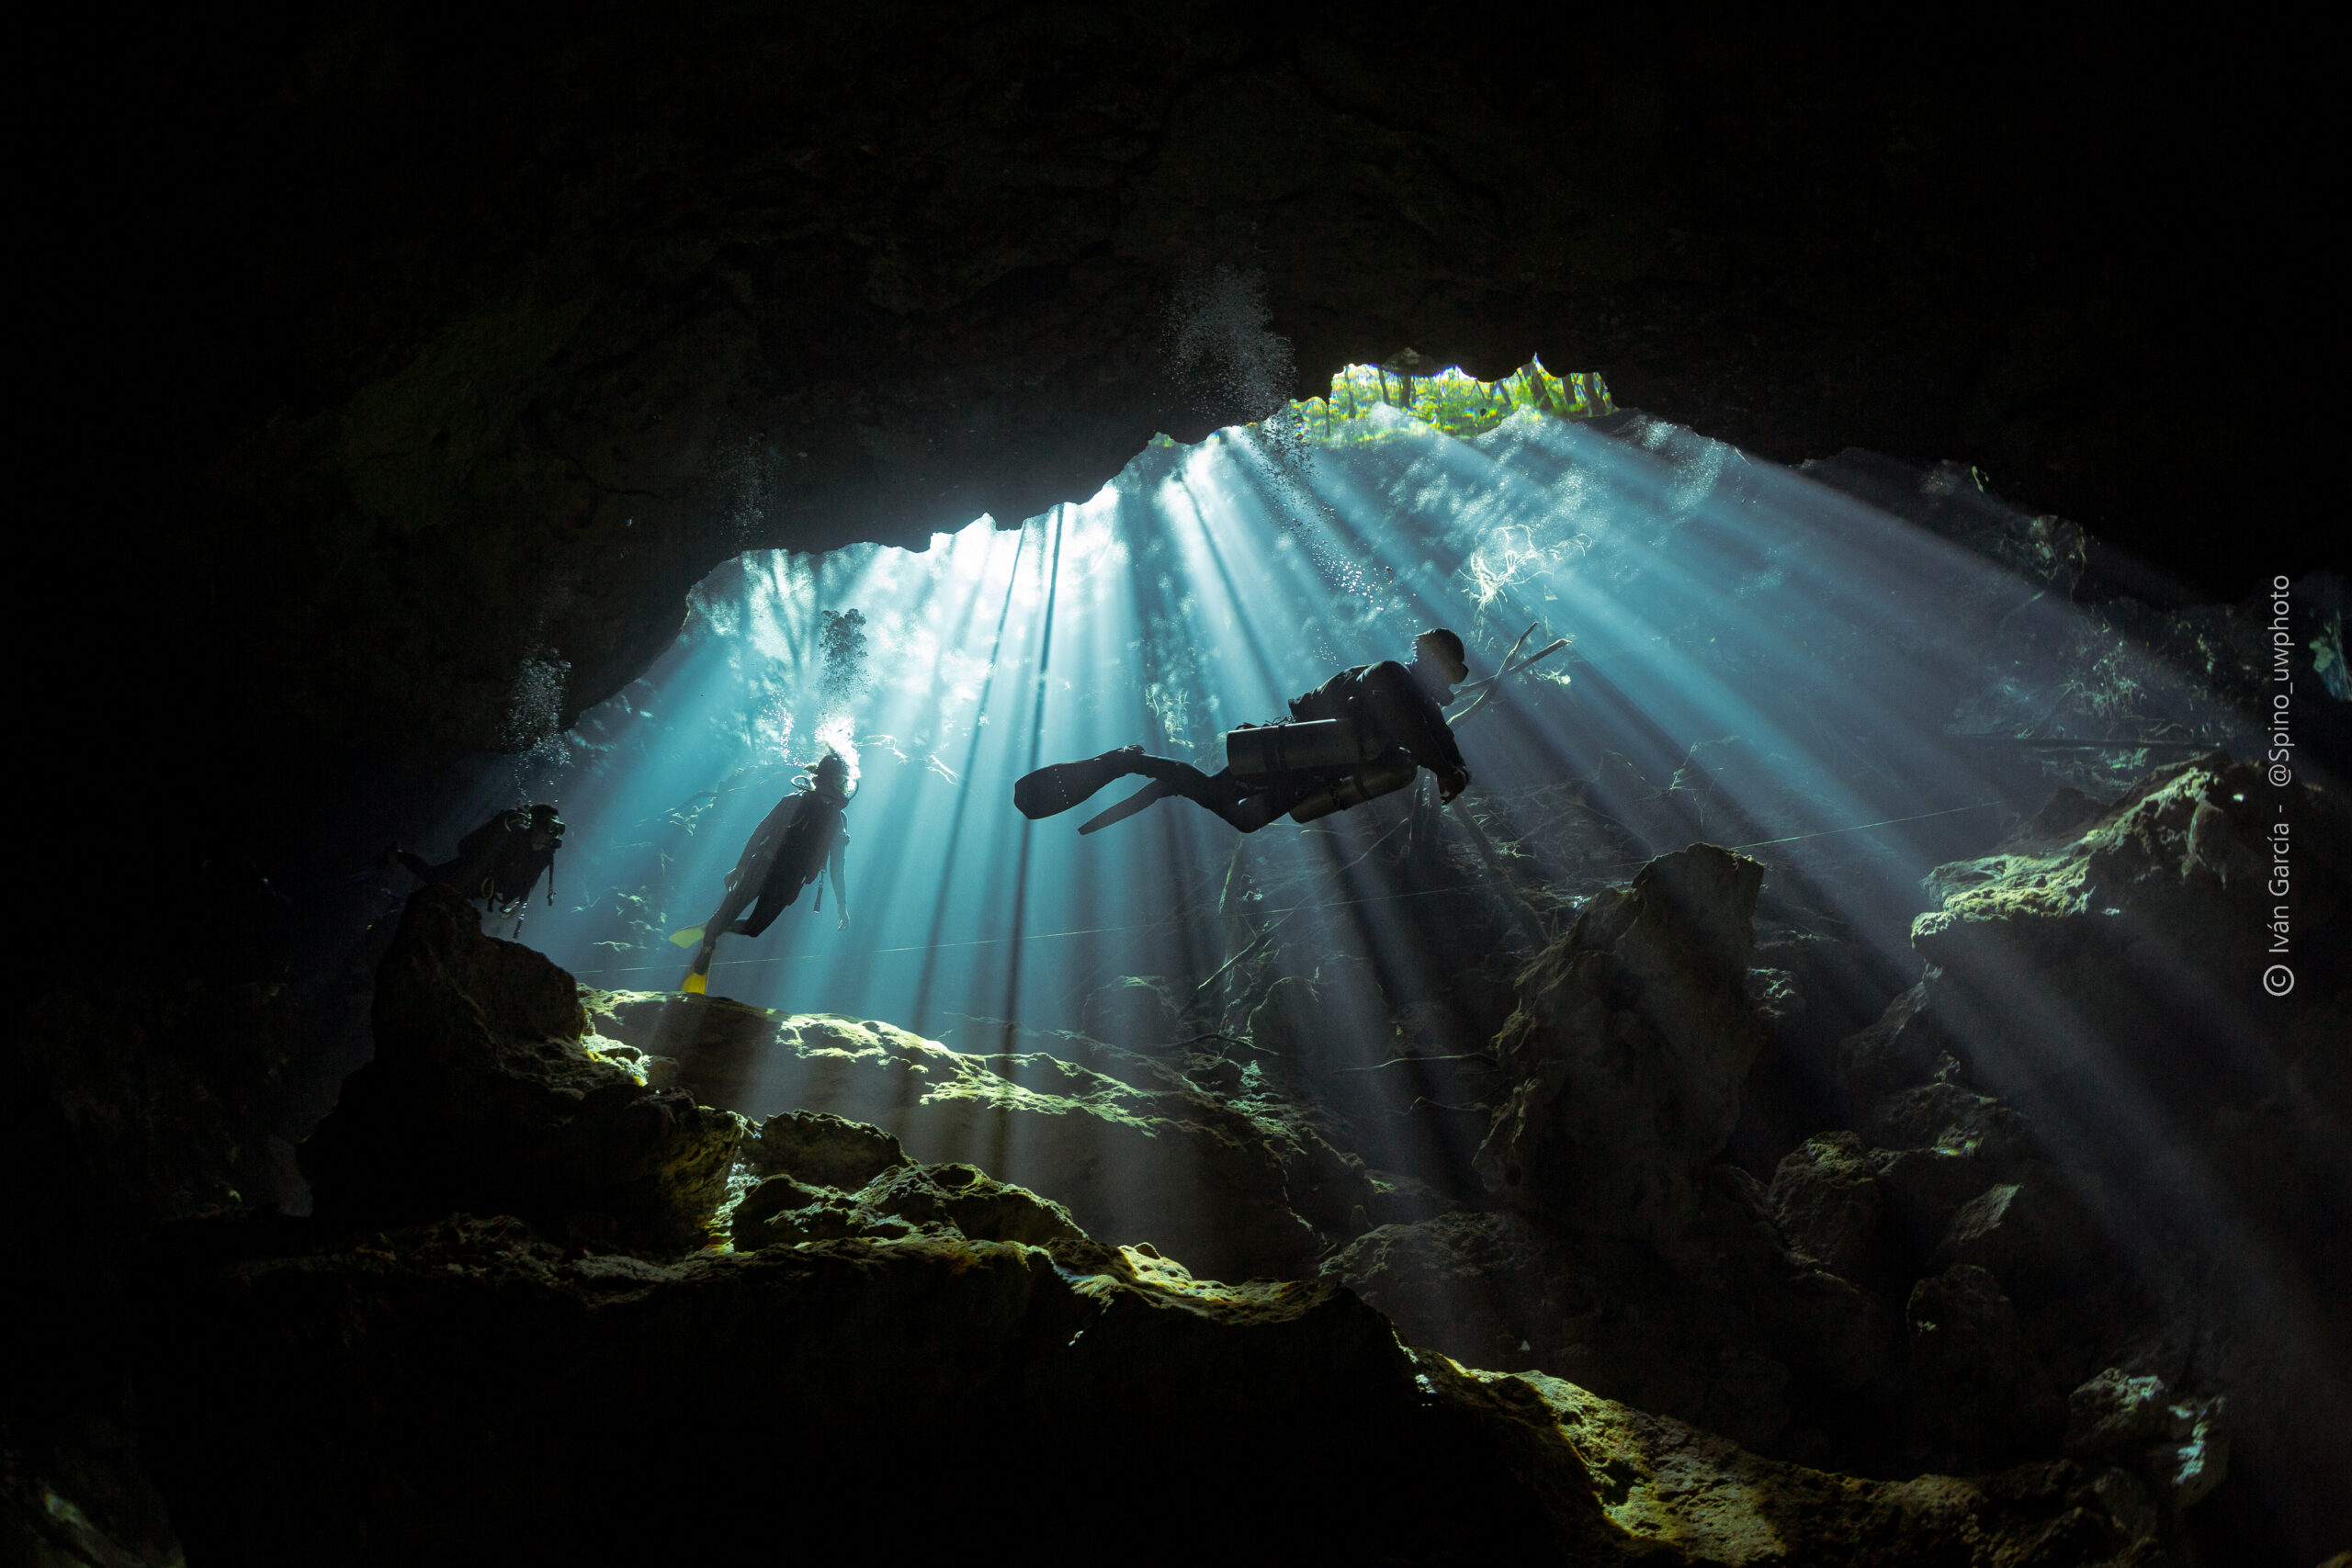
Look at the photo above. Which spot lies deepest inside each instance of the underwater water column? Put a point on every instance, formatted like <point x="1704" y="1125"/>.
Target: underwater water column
<point x="1758" y="660"/>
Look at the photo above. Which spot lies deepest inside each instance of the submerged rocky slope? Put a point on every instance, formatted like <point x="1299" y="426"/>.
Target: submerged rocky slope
<point x="471" y="1387"/>
<point x="594" y="1271"/>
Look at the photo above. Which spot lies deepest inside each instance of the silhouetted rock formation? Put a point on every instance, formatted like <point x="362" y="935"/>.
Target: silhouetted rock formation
<point x="1633" y="1035"/>
<point x="482" y="1099"/>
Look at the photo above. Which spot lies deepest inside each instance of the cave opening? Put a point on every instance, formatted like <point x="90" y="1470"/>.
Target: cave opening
<point x="1737" y="654"/>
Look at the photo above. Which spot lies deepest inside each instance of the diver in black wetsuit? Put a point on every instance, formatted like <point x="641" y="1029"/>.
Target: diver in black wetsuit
<point x="500" y="862"/>
<point x="1364" y="733"/>
<point x="802" y="840"/>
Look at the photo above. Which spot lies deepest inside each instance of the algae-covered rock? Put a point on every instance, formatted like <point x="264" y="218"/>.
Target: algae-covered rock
<point x="978" y="1205"/>
<point x="2161" y="909"/>
<point x="1229" y="1192"/>
<point x="462" y="1392"/>
<point x="1504" y="1291"/>
<point x="824" y="1149"/>
<point x="1633" y="1035"/>
<point x="481" y="1098"/>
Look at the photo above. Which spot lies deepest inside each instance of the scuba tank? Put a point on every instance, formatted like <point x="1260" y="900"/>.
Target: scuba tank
<point x="1386" y="776"/>
<point x="1259" y="751"/>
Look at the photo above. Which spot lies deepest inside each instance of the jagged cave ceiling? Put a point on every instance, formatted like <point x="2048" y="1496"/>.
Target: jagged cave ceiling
<point x="460" y="334"/>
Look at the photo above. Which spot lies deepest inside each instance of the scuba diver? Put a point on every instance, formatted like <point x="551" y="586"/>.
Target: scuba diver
<point x="500" y="862"/>
<point x="800" y="841"/>
<point x="1364" y="733"/>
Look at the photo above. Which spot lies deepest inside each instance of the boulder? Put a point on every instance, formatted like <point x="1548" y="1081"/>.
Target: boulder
<point x="1504" y="1291"/>
<point x="1980" y="1390"/>
<point x="1235" y="1194"/>
<point x="1923" y="1188"/>
<point x="2161" y="1455"/>
<point x="2113" y="1412"/>
<point x="1633" y="1035"/>
<point x="976" y="1205"/>
<point x="2074" y="935"/>
<point x="824" y="1149"/>
<point x="483" y="1098"/>
<point x="1949" y="1116"/>
<point x="1827" y="1199"/>
<point x="2030" y="1234"/>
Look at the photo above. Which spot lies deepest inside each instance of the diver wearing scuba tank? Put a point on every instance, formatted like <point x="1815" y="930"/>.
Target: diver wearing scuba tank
<point x="1364" y="733"/>
<point x="801" y="841"/>
<point x="498" y="863"/>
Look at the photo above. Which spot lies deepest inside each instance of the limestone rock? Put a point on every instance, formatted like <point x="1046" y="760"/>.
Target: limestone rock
<point x="464" y="1391"/>
<point x="824" y="1149"/>
<point x="1633" y="1035"/>
<point x="1235" y="1195"/>
<point x="1503" y="1290"/>
<point x="1827" y="1198"/>
<point x="1979" y="1387"/>
<point x="782" y="1210"/>
<point x="1947" y="1115"/>
<point x="1924" y="1187"/>
<point x="2155" y="906"/>
<point x="2163" y="1456"/>
<point x="1899" y="1048"/>
<point x="2112" y="1411"/>
<point x="2030" y="1234"/>
<point x="482" y="1099"/>
<point x="978" y="1205"/>
<point x="2196" y="1457"/>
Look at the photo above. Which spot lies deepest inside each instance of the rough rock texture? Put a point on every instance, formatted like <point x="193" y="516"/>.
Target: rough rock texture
<point x="2031" y="1235"/>
<point x="1502" y="1290"/>
<point x="2091" y="1099"/>
<point x="1982" y="1389"/>
<point x="482" y="1097"/>
<point x="2160" y="906"/>
<point x="972" y="1201"/>
<point x="1236" y="1195"/>
<point x="1827" y="1198"/>
<point x="436" y="1366"/>
<point x="824" y="1149"/>
<point x="955" y="1200"/>
<point x="1632" y="1036"/>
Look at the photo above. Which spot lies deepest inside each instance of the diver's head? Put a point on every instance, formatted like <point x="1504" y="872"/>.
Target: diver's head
<point x="1441" y="652"/>
<point x="830" y="773"/>
<point x="547" y="827"/>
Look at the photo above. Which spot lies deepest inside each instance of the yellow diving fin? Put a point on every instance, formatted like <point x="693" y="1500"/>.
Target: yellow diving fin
<point x="697" y="984"/>
<point x="686" y="938"/>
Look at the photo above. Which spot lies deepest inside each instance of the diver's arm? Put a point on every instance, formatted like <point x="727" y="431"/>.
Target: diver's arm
<point x="1407" y="716"/>
<point x="841" y="888"/>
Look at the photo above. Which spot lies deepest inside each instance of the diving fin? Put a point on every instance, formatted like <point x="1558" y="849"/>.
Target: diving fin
<point x="696" y="983"/>
<point x="1154" y="791"/>
<point x="686" y="938"/>
<point x="1056" y="789"/>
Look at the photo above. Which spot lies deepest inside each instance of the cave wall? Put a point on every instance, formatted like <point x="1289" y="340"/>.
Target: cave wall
<point x="447" y="341"/>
